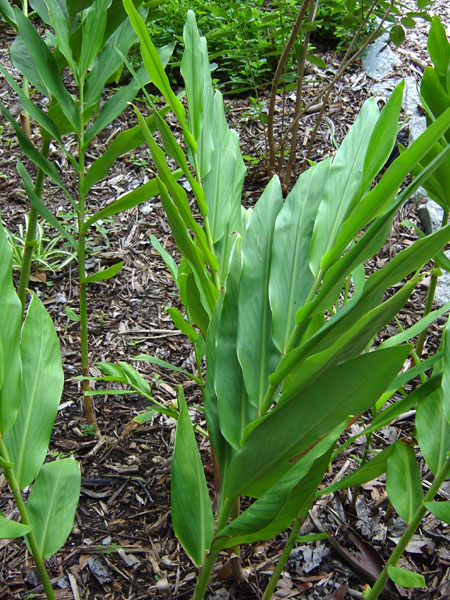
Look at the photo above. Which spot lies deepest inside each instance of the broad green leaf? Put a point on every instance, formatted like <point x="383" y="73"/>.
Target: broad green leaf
<point x="59" y="23"/>
<point x="433" y="430"/>
<point x="256" y="351"/>
<point x="42" y="383"/>
<point x="379" y="199"/>
<point x="52" y="504"/>
<point x="23" y="61"/>
<point x="439" y="48"/>
<point x="10" y="323"/>
<point x="12" y="529"/>
<point x="194" y="301"/>
<point x="434" y="97"/>
<point x="405" y="578"/>
<point x="40" y="206"/>
<point x="342" y="184"/>
<point x="156" y="71"/>
<point x="94" y="23"/>
<point x="384" y="135"/>
<point x="348" y="389"/>
<point x="403" y="483"/>
<point x="397" y="35"/>
<point x="109" y="61"/>
<point x="7" y="13"/>
<point x="194" y="69"/>
<point x="291" y="278"/>
<point x="368" y="471"/>
<point x="135" y="379"/>
<point x="222" y="450"/>
<point x="234" y="409"/>
<point x="222" y="183"/>
<point x="47" y="67"/>
<point x="105" y="274"/>
<point x="144" y="417"/>
<point x="275" y="510"/>
<point x="192" y="516"/>
<point x="440" y="509"/>
<point x="446" y="372"/>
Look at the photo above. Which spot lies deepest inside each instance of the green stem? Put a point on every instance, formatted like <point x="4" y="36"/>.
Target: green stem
<point x="207" y="567"/>
<point x="31" y="232"/>
<point x="409" y="532"/>
<point x="87" y="400"/>
<point x="428" y="307"/>
<point x="286" y="552"/>
<point x="31" y="538"/>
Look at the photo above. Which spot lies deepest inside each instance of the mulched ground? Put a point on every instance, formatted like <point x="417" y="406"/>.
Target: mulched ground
<point x="122" y="544"/>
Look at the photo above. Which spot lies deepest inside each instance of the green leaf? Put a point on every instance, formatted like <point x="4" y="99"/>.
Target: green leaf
<point x="42" y="383"/>
<point x="277" y="437"/>
<point x="105" y="273"/>
<point x="256" y="351"/>
<point x="71" y="314"/>
<point x="59" y="23"/>
<point x="234" y="409"/>
<point x="439" y="48"/>
<point x="144" y="417"/>
<point x="275" y="510"/>
<point x="32" y="153"/>
<point x="52" y="504"/>
<point x="10" y="324"/>
<point x="12" y="529"/>
<point x="440" y="509"/>
<point x="181" y="324"/>
<point x="125" y="202"/>
<point x="368" y="471"/>
<point x="40" y="206"/>
<point x="7" y="13"/>
<point x="156" y="71"/>
<point x="192" y="516"/>
<point x="47" y="67"/>
<point x="162" y="363"/>
<point x="168" y="260"/>
<point x="397" y="35"/>
<point x="223" y="183"/>
<point x="194" y="69"/>
<point x="127" y="140"/>
<point x="433" y="430"/>
<point x="384" y="135"/>
<point x="379" y="199"/>
<point x="405" y="578"/>
<point x="41" y="117"/>
<point x="93" y="31"/>
<point x="446" y="372"/>
<point x="109" y="61"/>
<point x="403" y="483"/>
<point x="316" y="60"/>
<point x="342" y="184"/>
<point x="291" y="278"/>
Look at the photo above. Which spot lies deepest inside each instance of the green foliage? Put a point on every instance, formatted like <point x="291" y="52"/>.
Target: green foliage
<point x="283" y="380"/>
<point x="30" y="358"/>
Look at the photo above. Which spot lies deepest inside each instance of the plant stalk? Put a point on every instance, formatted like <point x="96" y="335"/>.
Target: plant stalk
<point x="27" y="255"/>
<point x="409" y="531"/>
<point x="286" y="552"/>
<point x="208" y="565"/>
<point x="31" y="538"/>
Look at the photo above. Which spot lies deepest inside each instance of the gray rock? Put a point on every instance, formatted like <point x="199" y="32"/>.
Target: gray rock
<point x="379" y="59"/>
